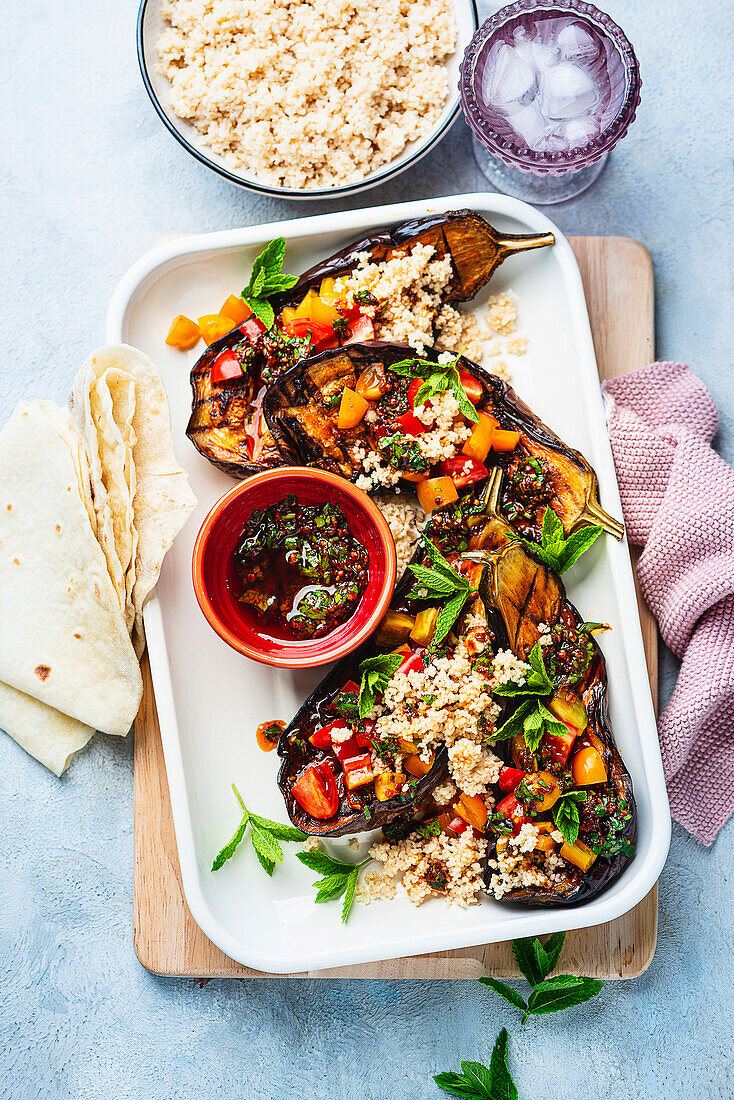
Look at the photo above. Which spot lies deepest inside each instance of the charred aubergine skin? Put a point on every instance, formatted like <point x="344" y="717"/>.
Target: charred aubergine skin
<point x="541" y="471"/>
<point x="223" y="415"/>
<point x="357" y="812"/>
<point x="526" y="593"/>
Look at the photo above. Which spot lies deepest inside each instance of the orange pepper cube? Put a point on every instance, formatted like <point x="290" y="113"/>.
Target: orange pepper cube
<point x="235" y="308"/>
<point x="213" y="326"/>
<point x="183" y="333"/>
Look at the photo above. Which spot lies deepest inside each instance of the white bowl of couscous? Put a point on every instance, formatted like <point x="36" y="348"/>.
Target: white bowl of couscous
<point x="305" y="98"/>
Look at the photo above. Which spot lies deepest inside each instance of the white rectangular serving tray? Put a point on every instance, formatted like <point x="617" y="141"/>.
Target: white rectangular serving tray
<point x="210" y="699"/>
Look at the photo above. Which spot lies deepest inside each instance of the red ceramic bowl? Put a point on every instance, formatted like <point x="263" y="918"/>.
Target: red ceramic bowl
<point x="214" y="573"/>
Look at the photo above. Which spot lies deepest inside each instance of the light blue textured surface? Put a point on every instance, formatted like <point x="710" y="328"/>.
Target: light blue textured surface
<point x="90" y="180"/>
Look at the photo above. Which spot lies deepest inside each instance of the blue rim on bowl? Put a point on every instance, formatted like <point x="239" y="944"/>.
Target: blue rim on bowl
<point x="388" y="172"/>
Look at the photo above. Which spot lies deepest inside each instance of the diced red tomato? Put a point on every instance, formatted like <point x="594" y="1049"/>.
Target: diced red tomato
<point x="409" y="424"/>
<point x="360" y="329"/>
<point x="226" y="368"/>
<point x="515" y="811"/>
<point x="358" y="771"/>
<point x="412" y="663"/>
<point x="559" y="745"/>
<point x="458" y="825"/>
<point x="472" y="387"/>
<point x="509" y="779"/>
<point x="316" y="791"/>
<point x="321" y="739"/>
<point x="321" y="335"/>
<point x="252" y="328"/>
<point x="463" y="470"/>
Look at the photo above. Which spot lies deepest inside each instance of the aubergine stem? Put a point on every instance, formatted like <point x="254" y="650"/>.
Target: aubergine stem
<point x="594" y="513"/>
<point x="521" y="242"/>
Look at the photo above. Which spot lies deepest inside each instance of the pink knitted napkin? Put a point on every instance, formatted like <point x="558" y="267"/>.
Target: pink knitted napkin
<point x="678" y="502"/>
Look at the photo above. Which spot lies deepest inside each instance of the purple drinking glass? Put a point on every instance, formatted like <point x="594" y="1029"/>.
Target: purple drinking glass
<point x="548" y="88"/>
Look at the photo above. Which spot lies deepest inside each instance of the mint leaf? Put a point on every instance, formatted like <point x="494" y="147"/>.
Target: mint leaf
<point x="432" y="580"/>
<point x="505" y="991"/>
<point x="331" y="887"/>
<point x="503" y="1087"/>
<point x="262" y="310"/>
<point x="282" y="832"/>
<point x="553" y="948"/>
<point x="448" y="615"/>
<point x="515" y="724"/>
<point x="268" y="865"/>
<point x="458" y="1085"/>
<point x="565" y="991"/>
<point x="478" y="1076"/>
<point x="267" y="279"/>
<point x="576" y="545"/>
<point x="257" y="284"/>
<point x="349" y="894"/>
<point x="552" y="533"/>
<point x="566" y="815"/>
<point x="532" y="965"/>
<point x="229" y="849"/>
<point x="377" y="672"/>
<point x="325" y="865"/>
<point x="554" y="549"/>
<point x="265" y="844"/>
<point x="270" y="260"/>
<point x="537" y="681"/>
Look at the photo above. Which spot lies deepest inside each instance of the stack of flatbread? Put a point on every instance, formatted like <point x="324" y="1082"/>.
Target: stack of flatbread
<point x="90" y="501"/>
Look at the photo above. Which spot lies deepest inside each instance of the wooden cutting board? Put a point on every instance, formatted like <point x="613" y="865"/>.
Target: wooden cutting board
<point x="618" y="280"/>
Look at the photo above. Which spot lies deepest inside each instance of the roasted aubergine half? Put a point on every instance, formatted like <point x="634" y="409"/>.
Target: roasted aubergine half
<point x="230" y="379"/>
<point x="564" y="773"/>
<point x="361" y="411"/>
<point x="328" y="777"/>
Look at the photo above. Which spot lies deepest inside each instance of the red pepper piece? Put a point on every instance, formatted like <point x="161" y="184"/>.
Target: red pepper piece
<point x="358" y="770"/>
<point x="409" y="424"/>
<point x="226" y="368"/>
<point x="321" y="738"/>
<point x="252" y="328"/>
<point x="321" y="336"/>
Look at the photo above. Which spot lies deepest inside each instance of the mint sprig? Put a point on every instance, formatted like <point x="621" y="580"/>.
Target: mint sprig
<point x="439" y="377"/>
<point x="537" y="681"/>
<point x="536" y="961"/>
<point x="264" y="835"/>
<point x="266" y="280"/>
<point x="377" y="672"/>
<point x="533" y="721"/>
<point x="554" y="549"/>
<point x="479" y="1082"/>
<point x="441" y="581"/>
<point x="338" y="878"/>
<point x="566" y="814"/>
